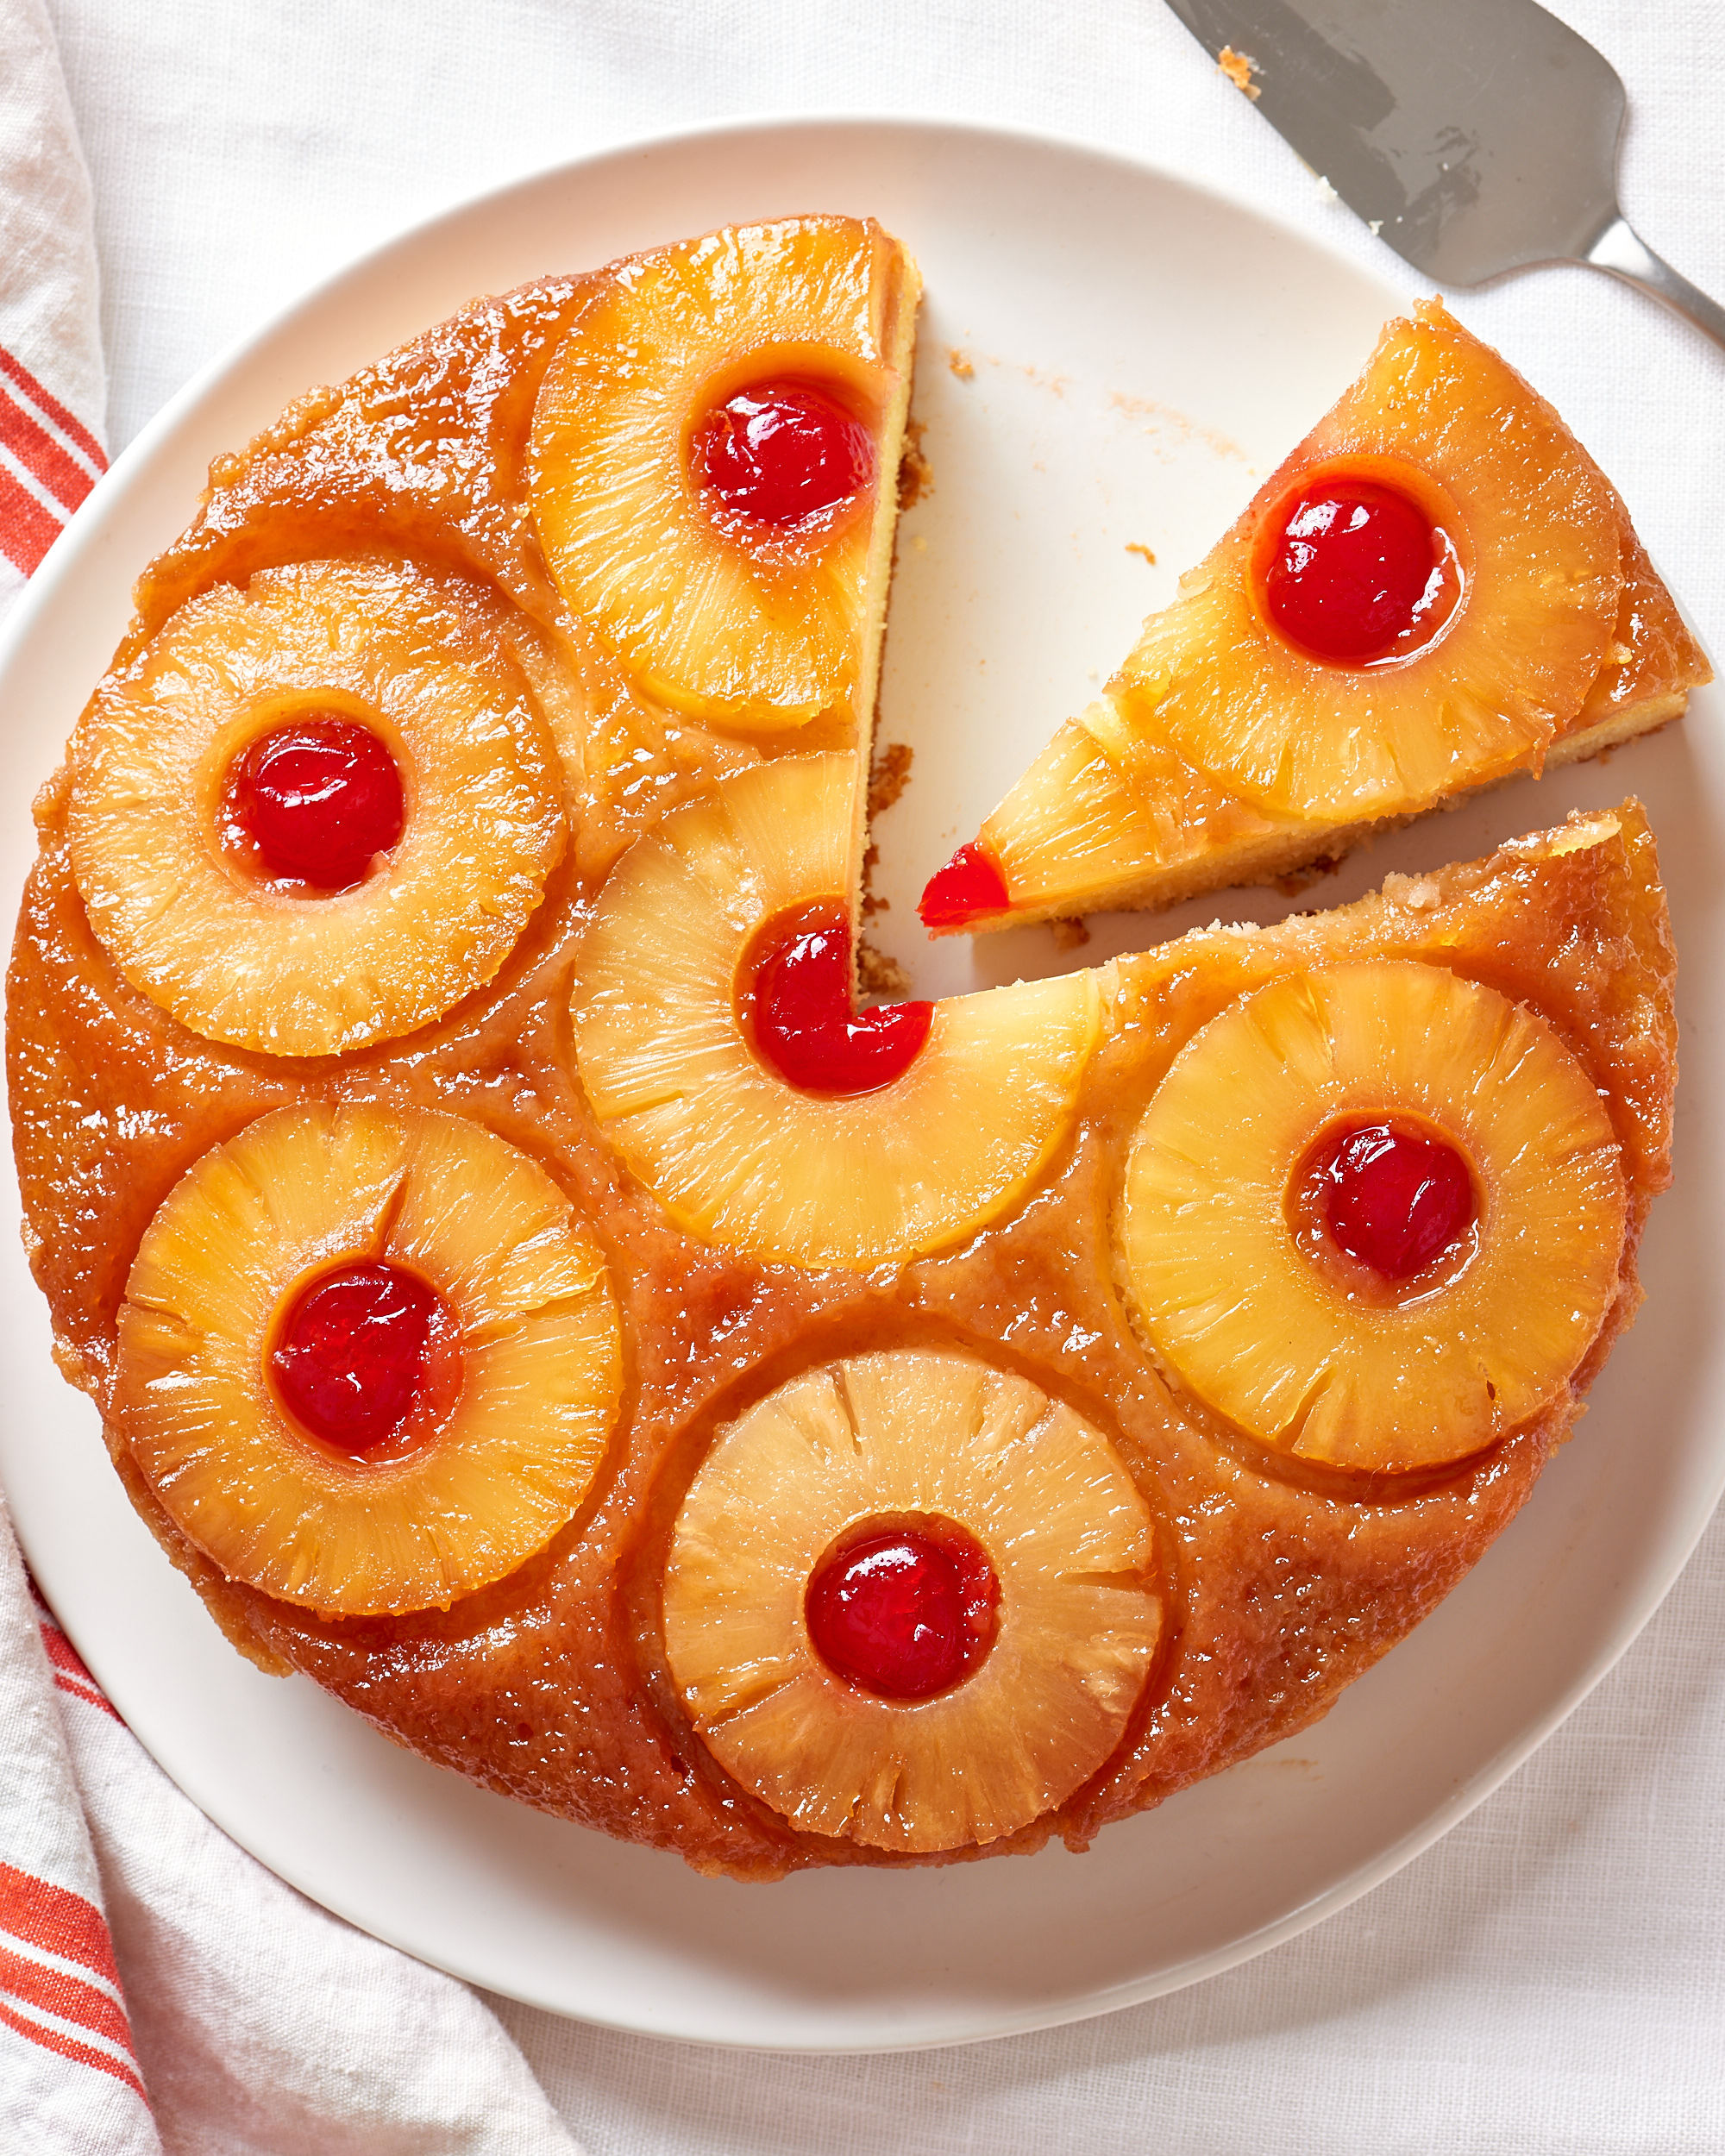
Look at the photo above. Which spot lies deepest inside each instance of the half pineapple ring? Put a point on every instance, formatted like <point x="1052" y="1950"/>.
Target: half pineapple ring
<point x="1440" y="418"/>
<point x="1274" y="1338"/>
<point x="930" y="1433"/>
<point x="538" y="1358"/>
<point x="416" y="661"/>
<point x="768" y="632"/>
<point x="733" y="1152"/>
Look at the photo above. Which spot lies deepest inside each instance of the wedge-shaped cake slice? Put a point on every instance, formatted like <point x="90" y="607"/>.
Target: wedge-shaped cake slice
<point x="1437" y="589"/>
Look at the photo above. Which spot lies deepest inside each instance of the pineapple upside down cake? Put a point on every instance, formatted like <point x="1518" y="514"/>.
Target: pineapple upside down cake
<point x="525" y="1293"/>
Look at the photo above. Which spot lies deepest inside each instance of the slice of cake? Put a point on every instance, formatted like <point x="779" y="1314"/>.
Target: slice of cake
<point x="1437" y="589"/>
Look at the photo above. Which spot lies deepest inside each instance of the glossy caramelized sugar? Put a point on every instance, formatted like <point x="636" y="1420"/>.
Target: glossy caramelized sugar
<point x="894" y="1514"/>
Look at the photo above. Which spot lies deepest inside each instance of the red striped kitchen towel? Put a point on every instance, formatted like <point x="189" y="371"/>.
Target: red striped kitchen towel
<point x="51" y="387"/>
<point x="48" y="463"/>
<point x="159" y="1990"/>
<point x="69" y="2072"/>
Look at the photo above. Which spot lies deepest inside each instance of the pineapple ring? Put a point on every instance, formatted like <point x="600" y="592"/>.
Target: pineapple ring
<point x="297" y="1192"/>
<point x="1270" y="1337"/>
<point x="731" y="1150"/>
<point x="418" y="662"/>
<point x="1067" y="1532"/>
<point x="1443" y="419"/>
<point x="751" y="636"/>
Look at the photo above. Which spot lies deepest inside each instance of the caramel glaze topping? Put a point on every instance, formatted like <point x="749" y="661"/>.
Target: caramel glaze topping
<point x="1284" y="1581"/>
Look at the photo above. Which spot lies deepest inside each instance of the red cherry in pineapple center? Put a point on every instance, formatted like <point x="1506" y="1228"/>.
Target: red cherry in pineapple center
<point x="1395" y="1199"/>
<point x="906" y="1611"/>
<point x="320" y="798"/>
<point x="782" y="454"/>
<point x="353" y="1358"/>
<point x="1356" y="567"/>
<point x="796" y="1008"/>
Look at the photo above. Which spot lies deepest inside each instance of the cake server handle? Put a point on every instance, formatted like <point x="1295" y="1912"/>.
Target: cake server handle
<point x="1619" y="250"/>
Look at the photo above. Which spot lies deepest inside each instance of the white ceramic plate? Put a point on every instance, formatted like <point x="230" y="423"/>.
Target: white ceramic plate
<point x="1141" y="352"/>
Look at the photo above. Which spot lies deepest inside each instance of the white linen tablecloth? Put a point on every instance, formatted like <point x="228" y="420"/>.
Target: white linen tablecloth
<point x="1551" y="1976"/>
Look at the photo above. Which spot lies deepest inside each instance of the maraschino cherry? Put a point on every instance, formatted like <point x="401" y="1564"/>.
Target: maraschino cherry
<point x="782" y="454"/>
<point x="354" y="1356"/>
<point x="904" y="1611"/>
<point x="320" y="798"/>
<point x="796" y="1008"/>
<point x="1355" y="567"/>
<point x="1395" y="1199"/>
<point x="967" y="887"/>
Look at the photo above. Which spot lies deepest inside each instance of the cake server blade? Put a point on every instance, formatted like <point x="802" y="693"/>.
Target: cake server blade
<point x="1473" y="136"/>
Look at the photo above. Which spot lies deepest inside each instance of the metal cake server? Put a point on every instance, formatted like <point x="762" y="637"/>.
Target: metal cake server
<point x="1474" y="136"/>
